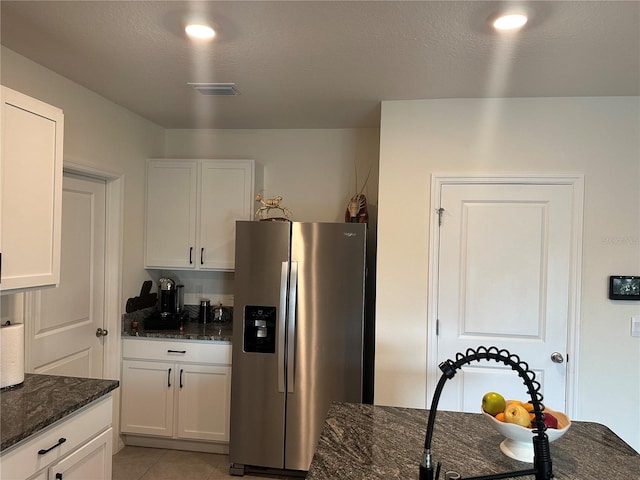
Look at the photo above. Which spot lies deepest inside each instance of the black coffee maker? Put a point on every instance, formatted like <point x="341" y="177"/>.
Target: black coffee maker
<point x="167" y="296"/>
<point x="171" y="310"/>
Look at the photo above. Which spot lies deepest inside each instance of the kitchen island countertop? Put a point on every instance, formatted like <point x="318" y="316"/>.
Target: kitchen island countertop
<point x="42" y="400"/>
<point x="373" y="442"/>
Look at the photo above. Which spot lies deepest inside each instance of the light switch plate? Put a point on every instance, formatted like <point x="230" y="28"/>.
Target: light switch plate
<point x="635" y="326"/>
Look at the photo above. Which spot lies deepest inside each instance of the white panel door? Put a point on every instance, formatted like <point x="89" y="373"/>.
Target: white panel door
<point x="63" y="338"/>
<point x="504" y="280"/>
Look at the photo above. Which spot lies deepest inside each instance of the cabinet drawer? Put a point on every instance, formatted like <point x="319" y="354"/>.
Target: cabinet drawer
<point x="170" y="351"/>
<point x="23" y="460"/>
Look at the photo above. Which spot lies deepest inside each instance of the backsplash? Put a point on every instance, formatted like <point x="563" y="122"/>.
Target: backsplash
<point x="217" y="287"/>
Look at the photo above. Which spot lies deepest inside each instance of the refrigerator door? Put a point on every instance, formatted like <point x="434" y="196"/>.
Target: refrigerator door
<point x="258" y="371"/>
<point x="326" y="358"/>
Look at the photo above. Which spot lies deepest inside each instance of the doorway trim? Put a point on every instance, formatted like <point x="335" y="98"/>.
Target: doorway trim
<point x="576" y="181"/>
<point x="114" y="183"/>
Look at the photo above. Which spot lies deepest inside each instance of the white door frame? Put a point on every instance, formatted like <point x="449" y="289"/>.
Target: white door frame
<point x="113" y="261"/>
<point x="573" y="321"/>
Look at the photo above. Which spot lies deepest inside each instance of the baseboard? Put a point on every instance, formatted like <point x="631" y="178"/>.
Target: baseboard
<point x="174" y="444"/>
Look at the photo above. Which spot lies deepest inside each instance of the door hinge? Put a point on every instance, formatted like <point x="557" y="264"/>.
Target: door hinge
<point x="440" y="212"/>
<point x="437" y="326"/>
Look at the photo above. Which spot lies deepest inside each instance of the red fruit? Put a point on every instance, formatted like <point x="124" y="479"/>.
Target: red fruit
<point x="549" y="420"/>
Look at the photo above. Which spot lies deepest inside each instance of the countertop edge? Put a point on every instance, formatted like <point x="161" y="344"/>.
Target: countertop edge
<point x="50" y="420"/>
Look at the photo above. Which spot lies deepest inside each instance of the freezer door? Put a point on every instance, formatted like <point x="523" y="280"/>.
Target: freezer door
<point x="327" y="355"/>
<point x="257" y="383"/>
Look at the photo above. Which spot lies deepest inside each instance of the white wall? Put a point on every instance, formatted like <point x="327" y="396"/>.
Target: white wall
<point x="314" y="170"/>
<point x="597" y="137"/>
<point x="97" y="133"/>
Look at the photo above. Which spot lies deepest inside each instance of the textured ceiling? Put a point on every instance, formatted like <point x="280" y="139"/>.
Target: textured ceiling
<point x="324" y="64"/>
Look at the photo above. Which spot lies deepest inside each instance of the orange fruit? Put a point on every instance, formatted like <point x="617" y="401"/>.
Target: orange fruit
<point x="500" y="416"/>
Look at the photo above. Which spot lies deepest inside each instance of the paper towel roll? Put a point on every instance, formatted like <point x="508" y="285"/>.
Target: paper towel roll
<point x="11" y="355"/>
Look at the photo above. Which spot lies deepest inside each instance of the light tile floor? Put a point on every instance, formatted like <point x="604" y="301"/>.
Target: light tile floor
<point x="140" y="463"/>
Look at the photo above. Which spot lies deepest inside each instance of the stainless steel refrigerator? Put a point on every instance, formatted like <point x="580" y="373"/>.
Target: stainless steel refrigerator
<point x="297" y="337"/>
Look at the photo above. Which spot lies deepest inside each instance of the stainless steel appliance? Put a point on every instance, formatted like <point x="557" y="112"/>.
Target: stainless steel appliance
<point x="297" y="337"/>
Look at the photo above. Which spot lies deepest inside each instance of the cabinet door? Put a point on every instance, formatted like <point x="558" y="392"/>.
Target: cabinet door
<point x="203" y="402"/>
<point x="147" y="397"/>
<point x="90" y="461"/>
<point x="226" y="188"/>
<point x="40" y="476"/>
<point x="30" y="191"/>
<point x="171" y="214"/>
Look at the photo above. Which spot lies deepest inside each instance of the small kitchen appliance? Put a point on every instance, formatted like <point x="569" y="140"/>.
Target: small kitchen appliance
<point x="170" y="312"/>
<point x="205" y="311"/>
<point x="222" y="314"/>
<point x="167" y="296"/>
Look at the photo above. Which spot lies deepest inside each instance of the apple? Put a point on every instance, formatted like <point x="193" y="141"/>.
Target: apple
<point x="517" y="414"/>
<point x="493" y="403"/>
<point x="549" y="420"/>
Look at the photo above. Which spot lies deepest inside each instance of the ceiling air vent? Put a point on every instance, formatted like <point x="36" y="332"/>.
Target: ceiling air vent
<point x="218" y="89"/>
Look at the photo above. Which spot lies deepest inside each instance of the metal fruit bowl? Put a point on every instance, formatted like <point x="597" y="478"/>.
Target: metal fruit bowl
<point x="518" y="443"/>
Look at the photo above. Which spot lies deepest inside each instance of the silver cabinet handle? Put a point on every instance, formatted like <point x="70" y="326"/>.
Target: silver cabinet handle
<point x="101" y="332"/>
<point x="556" y="357"/>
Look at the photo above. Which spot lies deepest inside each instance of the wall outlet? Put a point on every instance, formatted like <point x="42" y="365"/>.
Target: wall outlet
<point x="635" y="326"/>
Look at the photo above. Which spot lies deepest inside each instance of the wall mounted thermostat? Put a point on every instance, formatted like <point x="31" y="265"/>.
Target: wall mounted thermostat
<point x="623" y="287"/>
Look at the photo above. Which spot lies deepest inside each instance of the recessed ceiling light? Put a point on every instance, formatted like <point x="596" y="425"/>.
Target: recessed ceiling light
<point x="200" y="32"/>
<point x="511" y="21"/>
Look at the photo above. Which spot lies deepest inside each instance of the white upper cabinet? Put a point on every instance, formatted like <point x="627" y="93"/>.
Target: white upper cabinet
<point x="192" y="207"/>
<point x="172" y="187"/>
<point x="30" y="192"/>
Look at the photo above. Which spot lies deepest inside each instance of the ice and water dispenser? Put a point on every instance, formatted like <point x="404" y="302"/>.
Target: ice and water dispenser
<point x="259" y="329"/>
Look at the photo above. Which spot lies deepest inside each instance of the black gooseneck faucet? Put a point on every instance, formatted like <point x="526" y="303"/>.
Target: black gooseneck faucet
<point x="542" y="468"/>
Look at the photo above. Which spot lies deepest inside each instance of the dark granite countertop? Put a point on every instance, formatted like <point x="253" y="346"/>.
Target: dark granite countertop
<point x="191" y="328"/>
<point x="372" y="442"/>
<point x="42" y="400"/>
<point x="191" y="331"/>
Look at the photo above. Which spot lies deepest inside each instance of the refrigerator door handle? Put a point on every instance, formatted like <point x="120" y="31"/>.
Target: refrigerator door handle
<point x="282" y="323"/>
<point x="291" y="328"/>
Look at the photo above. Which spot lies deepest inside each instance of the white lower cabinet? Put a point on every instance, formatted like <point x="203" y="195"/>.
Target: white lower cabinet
<point x="91" y="461"/>
<point x="185" y="399"/>
<point x="147" y="398"/>
<point x="78" y="447"/>
<point x="203" y="402"/>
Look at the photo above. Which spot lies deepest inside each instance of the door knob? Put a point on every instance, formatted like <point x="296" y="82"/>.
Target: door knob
<point x="101" y="332"/>
<point x="556" y="357"/>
